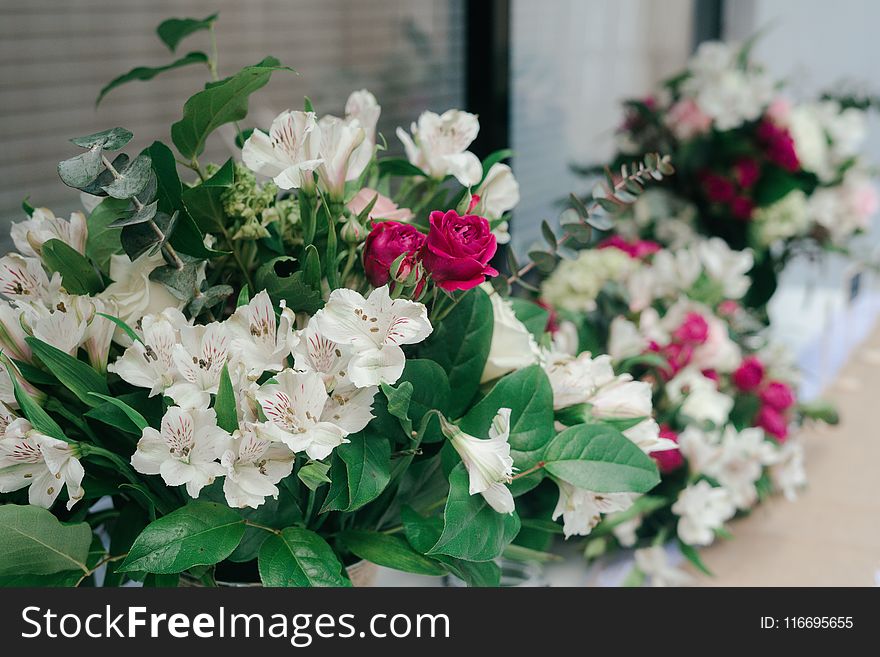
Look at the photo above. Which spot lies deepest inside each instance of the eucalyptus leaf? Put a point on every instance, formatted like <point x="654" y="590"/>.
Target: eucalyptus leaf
<point x="80" y="170"/>
<point x="144" y="214"/>
<point x="131" y="180"/>
<point x="108" y="140"/>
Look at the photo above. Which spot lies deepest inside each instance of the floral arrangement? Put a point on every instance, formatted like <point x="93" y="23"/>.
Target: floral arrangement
<point x="724" y="401"/>
<point x="268" y="370"/>
<point x="753" y="167"/>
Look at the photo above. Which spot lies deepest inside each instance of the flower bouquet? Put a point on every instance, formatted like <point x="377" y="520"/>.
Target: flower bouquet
<point x="269" y="370"/>
<point x="753" y="167"/>
<point x="723" y="397"/>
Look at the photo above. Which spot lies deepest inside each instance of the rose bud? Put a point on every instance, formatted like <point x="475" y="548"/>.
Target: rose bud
<point x="386" y="242"/>
<point x="668" y="460"/>
<point x="749" y="374"/>
<point x="773" y="422"/>
<point x="458" y="250"/>
<point x="352" y="231"/>
<point x="778" y="395"/>
<point x="693" y="330"/>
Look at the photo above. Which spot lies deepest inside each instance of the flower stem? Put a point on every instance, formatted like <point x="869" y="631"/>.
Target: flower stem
<point x="525" y="473"/>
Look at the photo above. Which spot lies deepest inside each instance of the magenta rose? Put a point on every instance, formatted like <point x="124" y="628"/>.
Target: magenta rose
<point x="385" y="243"/>
<point x="749" y="374"/>
<point x="693" y="330"/>
<point x="773" y="422"/>
<point x="668" y="460"/>
<point x="777" y="395"/>
<point x="458" y="250"/>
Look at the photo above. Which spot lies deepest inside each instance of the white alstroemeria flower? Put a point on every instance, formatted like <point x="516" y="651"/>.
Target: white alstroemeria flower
<point x="622" y="399"/>
<point x="149" y="362"/>
<point x="674" y="271"/>
<point x="30" y="235"/>
<point x="340" y="138"/>
<point x="699" y="396"/>
<point x="63" y="327"/>
<point x="625" y="340"/>
<point x="727" y="267"/>
<point x="438" y="146"/>
<point x="581" y="509"/>
<point x="626" y="531"/>
<point x="787" y="469"/>
<point x="293" y="408"/>
<point x="513" y="347"/>
<point x="24" y="279"/>
<point x="134" y="294"/>
<point x="646" y="436"/>
<point x="350" y="408"/>
<point x="316" y="353"/>
<point x="375" y="327"/>
<point x="654" y="563"/>
<point x="100" y="330"/>
<point x="565" y="340"/>
<point x="499" y="192"/>
<point x="488" y="461"/>
<point x="362" y="105"/>
<point x="185" y="451"/>
<point x="12" y="333"/>
<point x="30" y="458"/>
<point x="702" y="509"/>
<point x="199" y="358"/>
<point x="289" y="153"/>
<point x="254" y="466"/>
<point x="257" y="339"/>
<point x="576" y="380"/>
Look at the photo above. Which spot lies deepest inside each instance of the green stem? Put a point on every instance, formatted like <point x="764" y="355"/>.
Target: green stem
<point x="124" y="468"/>
<point x="251" y="523"/>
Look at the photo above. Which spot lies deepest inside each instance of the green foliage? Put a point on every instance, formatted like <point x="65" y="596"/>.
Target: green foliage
<point x="224" y="403"/>
<point x="359" y="472"/>
<point x="299" y="557"/>
<point x="144" y="73"/>
<point x="390" y="551"/>
<point x="40" y="420"/>
<point x="34" y="542"/>
<point x="77" y="273"/>
<point x="77" y="376"/>
<point x="284" y="281"/>
<point x="175" y="30"/>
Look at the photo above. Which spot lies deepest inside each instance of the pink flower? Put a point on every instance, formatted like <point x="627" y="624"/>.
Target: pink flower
<point x="712" y="375"/>
<point x="749" y="374"/>
<point x="779" y="110"/>
<point x="728" y="308"/>
<point x="668" y="460"/>
<point x="718" y="189"/>
<point x="693" y="330"/>
<point x="458" y="250"/>
<point x="636" y="249"/>
<point x="746" y="171"/>
<point x="385" y="243"/>
<point x="384" y="208"/>
<point x="778" y="145"/>
<point x="552" y="317"/>
<point x="742" y="207"/>
<point x="773" y="422"/>
<point x="777" y="395"/>
<point x="687" y="120"/>
<point x="864" y="200"/>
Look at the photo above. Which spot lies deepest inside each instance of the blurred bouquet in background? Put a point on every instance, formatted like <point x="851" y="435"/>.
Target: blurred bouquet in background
<point x="754" y="166"/>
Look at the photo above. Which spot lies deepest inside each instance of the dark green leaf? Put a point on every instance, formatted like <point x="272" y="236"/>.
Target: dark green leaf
<point x="359" y="472"/>
<point x="220" y="103"/>
<point x="398" y="166"/>
<point x="314" y="474"/>
<point x="40" y="420"/>
<point x="224" y="403"/>
<point x="175" y="30"/>
<point x="132" y="179"/>
<point x="201" y="533"/>
<point x="149" y="72"/>
<point x="690" y="553"/>
<point x="282" y="279"/>
<point x="136" y="422"/>
<point x="389" y="551"/>
<point x="102" y="243"/>
<point x="146" y="213"/>
<point x="299" y="557"/>
<point x="77" y="273"/>
<point x="533" y="317"/>
<point x="34" y="542"/>
<point x="77" y="376"/>
<point x="276" y="513"/>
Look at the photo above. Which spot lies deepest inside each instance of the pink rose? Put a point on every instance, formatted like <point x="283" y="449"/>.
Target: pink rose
<point x="778" y="145"/>
<point x="742" y="207"/>
<point x="773" y="422"/>
<point x="749" y="374"/>
<point x="687" y="120"/>
<point x="668" y="460"/>
<point x="693" y="330"/>
<point x="636" y="249"/>
<point x="383" y="208"/>
<point x="458" y="250"/>
<point x="746" y="172"/>
<point x="385" y="243"/>
<point x="777" y="395"/>
<point x="718" y="189"/>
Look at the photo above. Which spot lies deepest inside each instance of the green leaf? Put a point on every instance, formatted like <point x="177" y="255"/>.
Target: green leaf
<point x="533" y="317"/>
<point x="220" y="103"/>
<point x="528" y="395"/>
<point x="175" y="30"/>
<point x="77" y="376"/>
<point x="276" y="513"/>
<point x="460" y="345"/>
<point x="77" y="273"/>
<point x="138" y="420"/>
<point x="35" y="375"/>
<point x="311" y="268"/>
<point x="200" y="533"/>
<point x="244" y="297"/>
<point x="224" y="403"/>
<point x="139" y="239"/>
<point x="599" y="458"/>
<point x="40" y="420"/>
<point x="431" y="391"/>
<point x="398" y="166"/>
<point x="398" y="403"/>
<point x="211" y="297"/>
<point x="204" y="203"/>
<point x="108" y="140"/>
<point x="389" y="551"/>
<point x="472" y="530"/>
<point x="34" y="542"/>
<point x="63" y="579"/>
<point x="359" y="472"/>
<point x="690" y="553"/>
<point x="122" y="325"/>
<point x="299" y="557"/>
<point x="314" y="474"/>
<point x="149" y="72"/>
<point x="132" y="179"/>
<point x="102" y="243"/>
<point x="283" y="280"/>
<point x="494" y="158"/>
